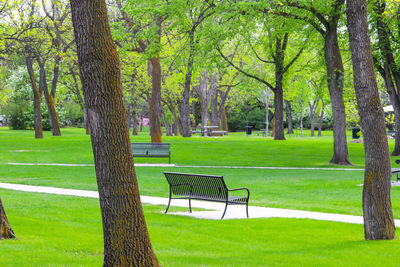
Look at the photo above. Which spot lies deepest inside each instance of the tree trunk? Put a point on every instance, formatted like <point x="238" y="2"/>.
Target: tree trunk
<point x="289" y="117"/>
<point x="141" y="123"/>
<point x="6" y="231"/>
<point x="82" y="102"/>
<point x="278" y="105"/>
<point x="185" y="109"/>
<point x="321" y="117"/>
<point x="335" y="71"/>
<point x="222" y="108"/>
<point x="301" y="121"/>
<point x="312" y="116"/>
<point x="214" y="118"/>
<point x="313" y="109"/>
<point x="168" y="130"/>
<point x="224" y="120"/>
<point x="134" y="123"/>
<point x="126" y="239"/>
<point x="37" y="96"/>
<point x="377" y="207"/>
<point x="55" y="127"/>
<point x="266" y="99"/>
<point x="278" y="92"/>
<point x="155" y="102"/>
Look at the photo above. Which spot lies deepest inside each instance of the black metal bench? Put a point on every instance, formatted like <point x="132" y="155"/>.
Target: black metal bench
<point x="396" y="170"/>
<point x="152" y="150"/>
<point x="203" y="187"/>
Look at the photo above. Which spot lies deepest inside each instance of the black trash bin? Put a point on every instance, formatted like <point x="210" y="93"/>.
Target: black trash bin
<point x="248" y="130"/>
<point x="356" y="132"/>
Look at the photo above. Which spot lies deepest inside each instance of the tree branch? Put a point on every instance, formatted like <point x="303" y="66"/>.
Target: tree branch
<point x="259" y="58"/>
<point x="244" y="72"/>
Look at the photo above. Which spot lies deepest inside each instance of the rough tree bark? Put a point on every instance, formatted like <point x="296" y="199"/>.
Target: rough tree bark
<point x="155" y="101"/>
<point x="168" y="130"/>
<point x="185" y="108"/>
<point x="37" y="96"/>
<point x="377" y="207"/>
<point x="126" y="239"/>
<point x="313" y="109"/>
<point x="81" y="101"/>
<point x="55" y="127"/>
<point x="321" y="117"/>
<point x="6" y="231"/>
<point x="289" y="119"/>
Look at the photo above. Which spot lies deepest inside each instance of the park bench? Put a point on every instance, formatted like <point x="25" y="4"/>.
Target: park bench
<point x="396" y="170"/>
<point x="152" y="150"/>
<point x="203" y="187"/>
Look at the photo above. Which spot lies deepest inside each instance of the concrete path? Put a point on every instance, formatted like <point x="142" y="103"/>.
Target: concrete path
<point x="184" y="166"/>
<point x="213" y="210"/>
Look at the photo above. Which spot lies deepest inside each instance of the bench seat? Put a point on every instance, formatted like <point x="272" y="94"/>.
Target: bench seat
<point x="204" y="187"/>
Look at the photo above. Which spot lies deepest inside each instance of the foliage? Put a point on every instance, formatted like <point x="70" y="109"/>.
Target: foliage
<point x="73" y="114"/>
<point x="19" y="112"/>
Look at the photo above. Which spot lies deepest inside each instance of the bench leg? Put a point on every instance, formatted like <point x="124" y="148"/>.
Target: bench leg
<point x="247" y="210"/>
<point x="190" y="205"/>
<point x="169" y="202"/>
<point x="223" y="214"/>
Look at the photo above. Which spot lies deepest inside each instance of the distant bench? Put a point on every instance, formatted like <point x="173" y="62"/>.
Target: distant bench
<point x="203" y="187"/>
<point x="152" y="150"/>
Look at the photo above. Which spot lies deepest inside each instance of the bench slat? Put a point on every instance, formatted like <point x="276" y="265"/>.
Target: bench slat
<point x="202" y="187"/>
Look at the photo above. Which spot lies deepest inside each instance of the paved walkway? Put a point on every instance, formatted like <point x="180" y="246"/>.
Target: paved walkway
<point x="213" y="210"/>
<point x="183" y="166"/>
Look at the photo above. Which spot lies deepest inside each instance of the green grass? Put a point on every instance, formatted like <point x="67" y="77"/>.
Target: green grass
<point x="234" y="150"/>
<point x="66" y="231"/>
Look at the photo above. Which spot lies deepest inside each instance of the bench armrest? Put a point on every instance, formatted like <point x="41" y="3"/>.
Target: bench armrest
<point x="239" y="189"/>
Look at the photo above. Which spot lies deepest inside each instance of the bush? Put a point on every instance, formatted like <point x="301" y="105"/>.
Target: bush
<point x="73" y="114"/>
<point x="254" y="117"/>
<point x="17" y="115"/>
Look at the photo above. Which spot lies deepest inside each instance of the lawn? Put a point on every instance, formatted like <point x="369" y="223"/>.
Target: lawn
<point x="59" y="230"/>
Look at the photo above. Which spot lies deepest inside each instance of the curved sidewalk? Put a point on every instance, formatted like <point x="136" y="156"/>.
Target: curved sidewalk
<point x="213" y="210"/>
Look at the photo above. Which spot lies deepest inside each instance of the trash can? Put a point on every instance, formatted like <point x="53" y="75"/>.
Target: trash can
<point x="248" y="130"/>
<point x="356" y="132"/>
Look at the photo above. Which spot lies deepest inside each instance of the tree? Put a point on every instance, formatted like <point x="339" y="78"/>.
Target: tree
<point x="5" y="229"/>
<point x="126" y="239"/>
<point x="20" y="39"/>
<point x="324" y="17"/>
<point x="377" y="207"/>
<point x="151" y="48"/>
<point x="276" y="42"/>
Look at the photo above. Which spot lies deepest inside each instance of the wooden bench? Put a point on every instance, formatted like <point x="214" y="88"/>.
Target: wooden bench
<point x="152" y="150"/>
<point x="203" y="187"/>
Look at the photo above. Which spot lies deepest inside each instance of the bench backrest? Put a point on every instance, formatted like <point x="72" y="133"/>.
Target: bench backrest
<point x="150" y="149"/>
<point x="197" y="185"/>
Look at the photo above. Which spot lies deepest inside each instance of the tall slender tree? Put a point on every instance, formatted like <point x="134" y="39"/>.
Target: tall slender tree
<point x="377" y="207"/>
<point x="126" y="239"/>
